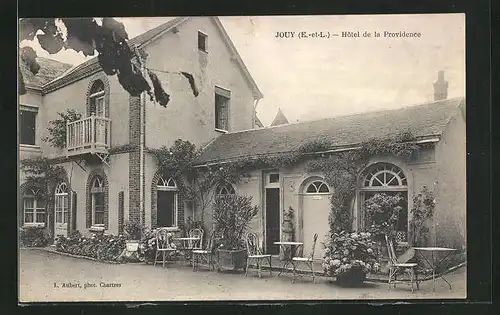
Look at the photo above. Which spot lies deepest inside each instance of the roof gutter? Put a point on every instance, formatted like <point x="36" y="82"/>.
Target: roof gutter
<point x="432" y="139"/>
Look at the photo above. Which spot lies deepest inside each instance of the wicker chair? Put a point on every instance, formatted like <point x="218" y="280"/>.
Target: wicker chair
<point x="396" y="268"/>
<point x="163" y="246"/>
<point x="255" y="254"/>
<point x="207" y="254"/>
<point x="309" y="261"/>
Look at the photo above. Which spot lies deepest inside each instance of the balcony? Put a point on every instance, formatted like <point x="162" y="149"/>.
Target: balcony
<point x="90" y="135"/>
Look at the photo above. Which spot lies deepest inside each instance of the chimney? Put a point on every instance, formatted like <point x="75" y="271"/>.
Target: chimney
<point x="440" y="87"/>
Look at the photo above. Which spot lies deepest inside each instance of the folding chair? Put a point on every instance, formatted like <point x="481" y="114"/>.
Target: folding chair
<point x="396" y="268"/>
<point x="309" y="261"/>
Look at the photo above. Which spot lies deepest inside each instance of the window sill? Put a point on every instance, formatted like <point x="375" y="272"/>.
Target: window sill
<point x="30" y="148"/>
<point x="96" y="229"/>
<point x="34" y="225"/>
<point x="221" y="130"/>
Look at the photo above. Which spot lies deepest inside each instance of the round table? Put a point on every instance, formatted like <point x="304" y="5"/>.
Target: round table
<point x="287" y="259"/>
<point x="432" y="262"/>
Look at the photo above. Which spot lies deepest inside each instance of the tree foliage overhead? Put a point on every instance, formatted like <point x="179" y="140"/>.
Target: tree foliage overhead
<point x="109" y="39"/>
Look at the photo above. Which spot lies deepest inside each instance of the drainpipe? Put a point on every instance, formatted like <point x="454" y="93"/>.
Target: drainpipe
<point x="142" y="115"/>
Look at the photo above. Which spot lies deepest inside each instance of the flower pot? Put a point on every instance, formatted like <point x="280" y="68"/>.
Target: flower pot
<point x="352" y="278"/>
<point x="132" y="245"/>
<point x="231" y="259"/>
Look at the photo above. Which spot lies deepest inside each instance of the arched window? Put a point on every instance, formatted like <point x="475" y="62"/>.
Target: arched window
<point x="317" y="187"/>
<point x="225" y="189"/>
<point x="61" y="203"/>
<point x="167" y="202"/>
<point x="385" y="175"/>
<point x="97" y="99"/>
<point x="386" y="179"/>
<point x="97" y="193"/>
<point x="168" y="184"/>
<point x="33" y="209"/>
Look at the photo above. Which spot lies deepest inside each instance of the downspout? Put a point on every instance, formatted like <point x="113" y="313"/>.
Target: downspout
<point x="142" y="109"/>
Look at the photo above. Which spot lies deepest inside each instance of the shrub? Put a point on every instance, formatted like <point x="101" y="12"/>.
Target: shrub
<point x="33" y="237"/>
<point x="133" y="231"/>
<point x="99" y="246"/>
<point x="349" y="257"/>
<point x="232" y="215"/>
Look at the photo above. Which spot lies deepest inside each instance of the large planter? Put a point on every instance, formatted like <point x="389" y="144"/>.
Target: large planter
<point x="353" y="278"/>
<point x="132" y="245"/>
<point x="231" y="259"/>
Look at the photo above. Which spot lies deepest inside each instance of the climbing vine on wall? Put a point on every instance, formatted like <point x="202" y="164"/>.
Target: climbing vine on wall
<point x="341" y="171"/>
<point x="42" y="176"/>
<point x="57" y="128"/>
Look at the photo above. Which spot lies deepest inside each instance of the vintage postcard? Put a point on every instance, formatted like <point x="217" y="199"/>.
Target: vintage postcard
<point x="242" y="158"/>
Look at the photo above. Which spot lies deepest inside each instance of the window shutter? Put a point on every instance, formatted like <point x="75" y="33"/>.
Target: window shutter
<point x="72" y="225"/>
<point x="89" y="211"/>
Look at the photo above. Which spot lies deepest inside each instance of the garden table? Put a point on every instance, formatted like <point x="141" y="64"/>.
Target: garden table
<point x="288" y="255"/>
<point x="432" y="263"/>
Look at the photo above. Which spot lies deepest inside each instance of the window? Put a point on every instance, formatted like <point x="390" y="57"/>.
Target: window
<point x="390" y="180"/>
<point x="97" y="192"/>
<point x="33" y="209"/>
<point x="222" y="98"/>
<point x="274" y="178"/>
<point x="61" y="203"/>
<point x="167" y="200"/>
<point x="226" y="189"/>
<point x="202" y="41"/>
<point x="27" y="126"/>
<point x="96" y="99"/>
<point x="317" y="187"/>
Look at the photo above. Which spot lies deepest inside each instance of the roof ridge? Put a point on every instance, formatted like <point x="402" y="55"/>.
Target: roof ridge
<point x="352" y="115"/>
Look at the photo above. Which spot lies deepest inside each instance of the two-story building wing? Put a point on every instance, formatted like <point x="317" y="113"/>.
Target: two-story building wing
<point x="111" y="177"/>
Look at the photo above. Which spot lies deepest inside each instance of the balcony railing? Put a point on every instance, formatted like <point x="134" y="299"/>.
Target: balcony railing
<point x="88" y="135"/>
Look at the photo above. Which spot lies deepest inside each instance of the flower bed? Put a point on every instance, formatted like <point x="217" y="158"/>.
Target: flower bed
<point x="33" y="237"/>
<point x="98" y="246"/>
<point x="349" y="257"/>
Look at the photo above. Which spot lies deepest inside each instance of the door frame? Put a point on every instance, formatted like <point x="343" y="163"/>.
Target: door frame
<point x="265" y="185"/>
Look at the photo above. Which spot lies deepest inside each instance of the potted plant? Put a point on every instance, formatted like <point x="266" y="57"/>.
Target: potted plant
<point x="133" y="232"/>
<point x="349" y="257"/>
<point x="232" y="215"/>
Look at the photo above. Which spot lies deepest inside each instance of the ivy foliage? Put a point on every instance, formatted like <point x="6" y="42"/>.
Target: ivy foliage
<point x="424" y="204"/>
<point x="341" y="171"/>
<point x="42" y="176"/>
<point x="57" y="128"/>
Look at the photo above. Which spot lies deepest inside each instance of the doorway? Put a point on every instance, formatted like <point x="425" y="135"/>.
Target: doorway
<point x="166" y="215"/>
<point x="272" y="220"/>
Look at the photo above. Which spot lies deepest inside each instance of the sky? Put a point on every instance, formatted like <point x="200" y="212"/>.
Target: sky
<point x="314" y="78"/>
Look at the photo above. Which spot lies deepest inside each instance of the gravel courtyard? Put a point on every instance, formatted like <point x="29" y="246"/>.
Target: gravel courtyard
<point x="43" y="276"/>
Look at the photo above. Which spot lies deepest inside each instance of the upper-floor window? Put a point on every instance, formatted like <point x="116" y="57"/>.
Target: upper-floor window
<point x="222" y="98"/>
<point x="202" y="41"/>
<point x="27" y="124"/>
<point x="97" y="100"/>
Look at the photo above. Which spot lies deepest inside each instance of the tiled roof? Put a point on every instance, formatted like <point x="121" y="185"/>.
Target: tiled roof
<point x="421" y="120"/>
<point x="49" y="70"/>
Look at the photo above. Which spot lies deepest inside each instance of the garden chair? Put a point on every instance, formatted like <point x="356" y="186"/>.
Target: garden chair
<point x="396" y="268"/>
<point x="255" y="254"/>
<point x="163" y="246"/>
<point x="207" y="254"/>
<point x="309" y="261"/>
